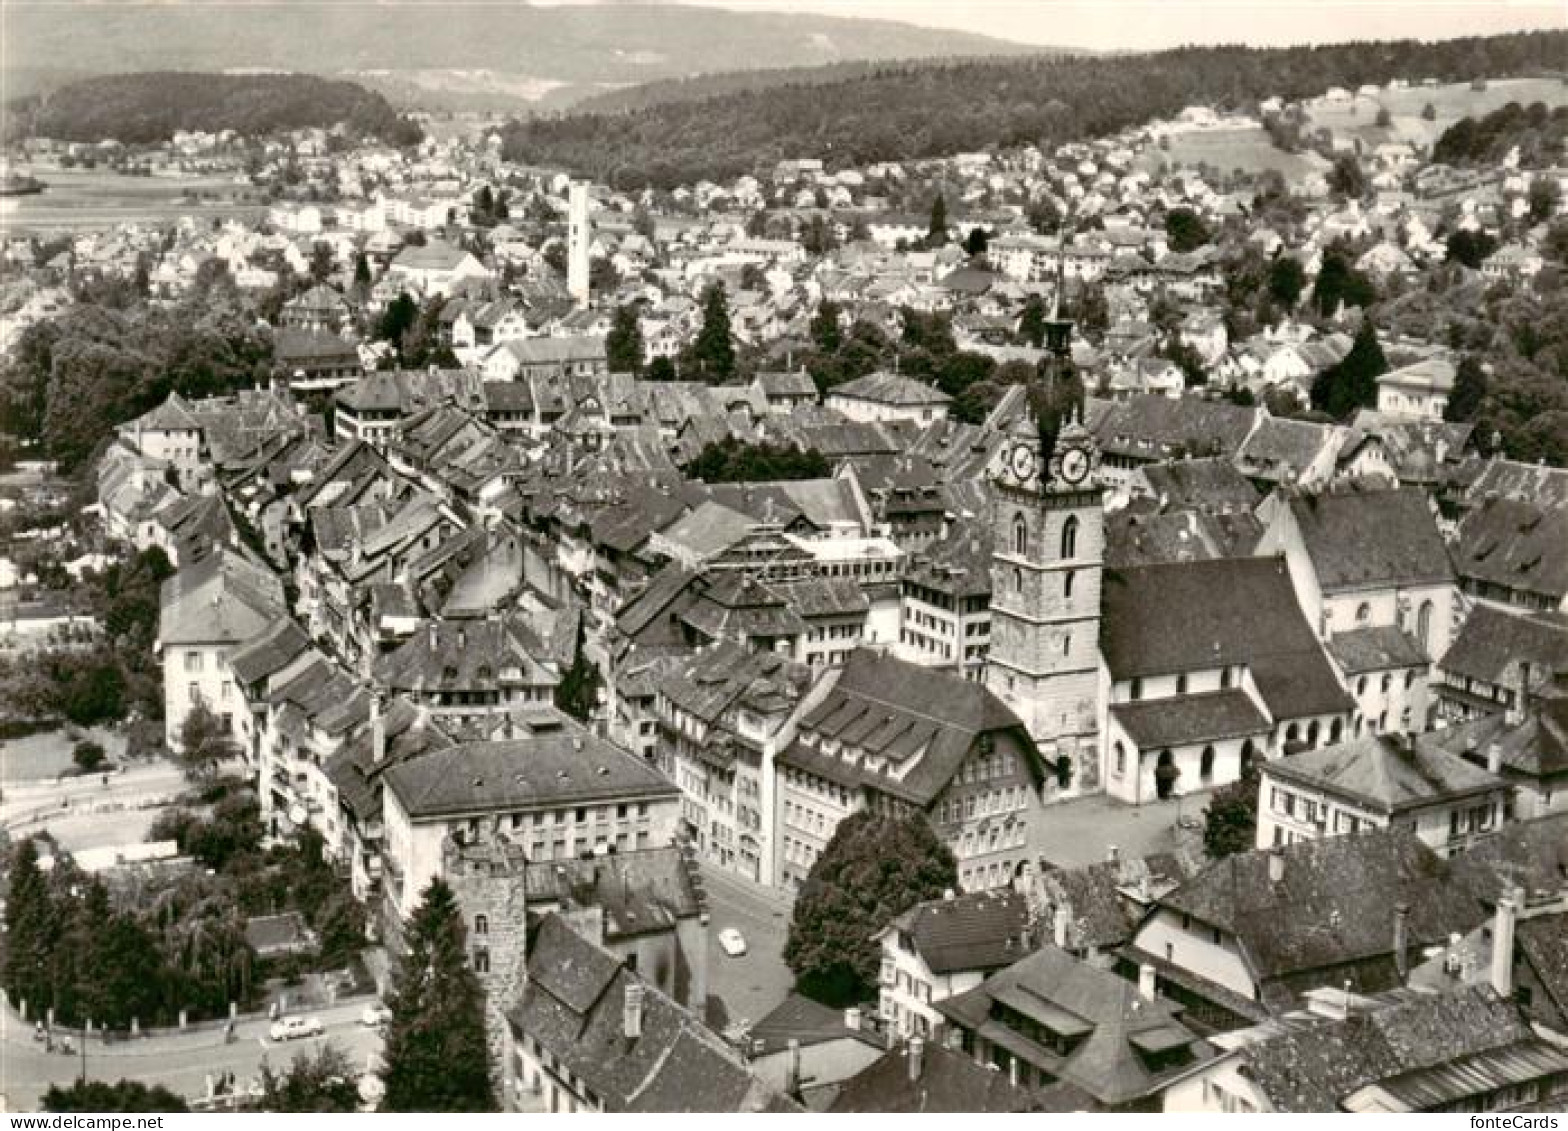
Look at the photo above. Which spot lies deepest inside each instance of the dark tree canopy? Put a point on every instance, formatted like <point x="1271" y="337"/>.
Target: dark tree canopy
<point x="623" y="345"/>
<point x="1185" y="229"/>
<point x="873" y="870"/>
<point x="1352" y="383"/>
<point x="735" y="461"/>
<point x="319" y="1081"/>
<point x="711" y="358"/>
<point x="1230" y="821"/>
<point x="122" y="1096"/>
<point x="436" y="1055"/>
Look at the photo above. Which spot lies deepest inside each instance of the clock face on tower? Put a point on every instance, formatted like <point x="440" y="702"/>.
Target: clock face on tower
<point x="1075" y="465"/>
<point x="1022" y="461"/>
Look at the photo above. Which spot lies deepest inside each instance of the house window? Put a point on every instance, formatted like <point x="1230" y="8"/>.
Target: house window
<point x="481" y="925"/>
<point x="1424" y="624"/>
<point x="1363" y="613"/>
<point x="1070" y="537"/>
<point x="481" y="961"/>
<point x="1121" y="759"/>
<point x="1067" y="583"/>
<point x="193" y="661"/>
<point x="1225" y="677"/>
<point x="1206" y="764"/>
<point x="1136" y="691"/>
<point x="1020" y="536"/>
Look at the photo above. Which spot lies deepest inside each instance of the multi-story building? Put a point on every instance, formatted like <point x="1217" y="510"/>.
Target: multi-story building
<point x="945" y="613"/>
<point x="1380" y="782"/>
<point x="897" y="739"/>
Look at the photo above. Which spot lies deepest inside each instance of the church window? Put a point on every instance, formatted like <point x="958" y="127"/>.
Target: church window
<point x="1070" y="537"/>
<point x="1181" y="684"/>
<point x="1067" y="583"/>
<point x="1424" y="624"/>
<point x="1067" y="644"/>
<point x="1020" y="536"/>
<point x="1018" y="580"/>
<point x="1121" y="759"/>
<point x="1136" y="692"/>
<point x="1206" y="764"/>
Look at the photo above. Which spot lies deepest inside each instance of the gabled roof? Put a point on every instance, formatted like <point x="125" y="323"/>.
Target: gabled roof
<point x="642" y="892"/>
<point x="1387" y="773"/>
<point x="560" y="766"/>
<point x="1361" y="539"/>
<point x="1209" y="716"/>
<point x="891" y="389"/>
<point x="949" y="1082"/>
<point x="1194" y="616"/>
<point x="1377" y="649"/>
<point x="1333" y="905"/>
<point x="223" y="599"/>
<point x="1103" y="1011"/>
<point x="977" y="931"/>
<point x="573" y="1005"/>
<point x="1515" y="544"/>
<point x="1491" y="639"/>
<point x="271" y="652"/>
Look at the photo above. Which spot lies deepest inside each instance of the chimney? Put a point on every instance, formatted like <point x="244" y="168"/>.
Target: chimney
<point x="632" y="1015"/>
<point x="792" y="1068"/>
<point x="1276" y="865"/>
<point x="1503" y="943"/>
<point x="1059" y="923"/>
<point x="1402" y="940"/>
<point x="1113" y="854"/>
<point x="917" y="1059"/>
<point x="1012" y="1071"/>
<point x="378" y="730"/>
<point x="852" y="1019"/>
<point x="1494" y="758"/>
<point x="1146" y="982"/>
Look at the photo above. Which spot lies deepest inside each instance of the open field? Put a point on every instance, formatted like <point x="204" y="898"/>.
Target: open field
<point x="1450" y="102"/>
<point x="1228" y="149"/>
<point x="77" y="199"/>
<point x="44" y="756"/>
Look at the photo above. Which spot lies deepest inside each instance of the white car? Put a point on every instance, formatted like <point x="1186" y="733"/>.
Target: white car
<point x="733" y="942"/>
<point x="375" y="1016"/>
<point x="291" y="1028"/>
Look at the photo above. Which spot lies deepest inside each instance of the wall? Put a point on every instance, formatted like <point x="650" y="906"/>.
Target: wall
<point x="1192" y="949"/>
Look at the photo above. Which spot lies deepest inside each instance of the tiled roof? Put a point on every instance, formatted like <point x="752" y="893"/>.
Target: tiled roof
<point x="1186" y="719"/>
<point x="1491" y="639"/>
<point x="1386" y="772"/>
<point x="1333" y="905"/>
<point x="640" y="892"/>
<point x="573" y="1006"/>
<point x="1105" y="1010"/>
<point x="1516" y="544"/>
<point x="1378" y="649"/>
<point x="270" y="652"/>
<point x="949" y="1082"/>
<point x="1315" y="1067"/>
<point x="563" y="766"/>
<point x="222" y="599"/>
<point x="1358" y="539"/>
<point x="1529" y="854"/>
<point x="1192" y="616"/>
<point x="1151" y="427"/>
<point x="978" y="931"/>
<point x="1203" y="484"/>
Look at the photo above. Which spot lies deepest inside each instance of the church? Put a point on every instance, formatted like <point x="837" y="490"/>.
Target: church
<point x="1149" y="682"/>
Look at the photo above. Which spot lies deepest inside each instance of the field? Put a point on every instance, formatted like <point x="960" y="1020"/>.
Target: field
<point x="1450" y="102"/>
<point x="78" y="199"/>
<point x="44" y="756"/>
<point x="1229" y="149"/>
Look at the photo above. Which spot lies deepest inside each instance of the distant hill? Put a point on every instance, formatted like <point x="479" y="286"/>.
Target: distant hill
<point x="531" y="53"/>
<point x="911" y="111"/>
<point x="153" y="106"/>
<point x="666" y="91"/>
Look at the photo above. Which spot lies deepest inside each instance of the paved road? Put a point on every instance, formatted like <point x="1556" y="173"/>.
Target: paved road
<point x="750" y="986"/>
<point x="87" y="813"/>
<point x="179" y="1062"/>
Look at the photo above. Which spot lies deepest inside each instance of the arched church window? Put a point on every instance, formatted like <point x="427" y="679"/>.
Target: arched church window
<point x="1070" y="537"/>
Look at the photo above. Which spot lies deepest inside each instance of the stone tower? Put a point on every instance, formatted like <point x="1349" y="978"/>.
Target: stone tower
<point x="486" y="877"/>
<point x="577" y="237"/>
<point x="1049" y="540"/>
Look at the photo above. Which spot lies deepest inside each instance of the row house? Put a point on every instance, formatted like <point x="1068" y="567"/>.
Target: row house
<point x="898" y="739"/>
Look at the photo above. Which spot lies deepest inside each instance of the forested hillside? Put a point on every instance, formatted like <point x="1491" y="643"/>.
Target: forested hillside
<point x="1536" y="131"/>
<point x="930" y="110"/>
<point x="151" y="106"/>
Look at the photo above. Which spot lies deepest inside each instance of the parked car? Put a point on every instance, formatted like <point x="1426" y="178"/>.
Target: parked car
<point x="733" y="942"/>
<point x="292" y="1028"/>
<point x="375" y="1016"/>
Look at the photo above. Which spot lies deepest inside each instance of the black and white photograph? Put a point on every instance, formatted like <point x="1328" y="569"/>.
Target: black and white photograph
<point x="783" y="557"/>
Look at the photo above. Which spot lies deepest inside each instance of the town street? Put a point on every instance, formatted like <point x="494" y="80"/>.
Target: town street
<point x="181" y="1062"/>
<point x="750" y="986"/>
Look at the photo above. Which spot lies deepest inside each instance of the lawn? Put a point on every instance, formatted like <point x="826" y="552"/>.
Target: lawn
<point x="1227" y="150"/>
<point x="46" y="755"/>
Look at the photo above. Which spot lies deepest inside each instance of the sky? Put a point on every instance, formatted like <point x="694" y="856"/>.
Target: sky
<point x="1152" y="24"/>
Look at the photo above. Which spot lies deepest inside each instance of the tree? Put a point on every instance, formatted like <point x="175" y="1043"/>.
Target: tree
<point x="361" y="274"/>
<point x="872" y="870"/>
<point x="712" y="355"/>
<point x="735" y="461"/>
<point x="1429" y="113"/>
<point x="623" y="344"/>
<point x="661" y="368"/>
<point x="1287" y="280"/>
<point x="936" y="233"/>
<point x="88" y="756"/>
<point x="1031" y="323"/>
<point x="1383" y="119"/>
<point x="1352" y="383"/>
<point x="30" y="931"/>
<point x="825" y="328"/>
<point x="123" y="1096"/>
<point x="1470" y="247"/>
<point x="436" y="1055"/>
<point x="1339" y="283"/>
<point x="1546" y="195"/>
<point x="1469" y="390"/>
<point x="1230" y="821"/>
<point x="1185" y="229"/>
<point x="321" y="262"/>
<point x="398" y="318"/>
<point x="578" y="692"/>
<point x="976" y="242"/>
<point x="323" y="1081"/>
<point x="1347" y="178"/>
<point x="205" y="744"/>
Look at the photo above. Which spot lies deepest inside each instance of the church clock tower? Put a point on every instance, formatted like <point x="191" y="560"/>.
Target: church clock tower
<point x="1048" y="552"/>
